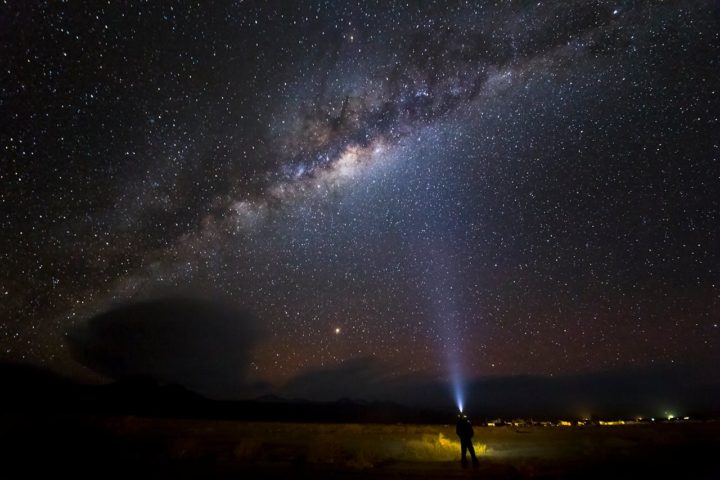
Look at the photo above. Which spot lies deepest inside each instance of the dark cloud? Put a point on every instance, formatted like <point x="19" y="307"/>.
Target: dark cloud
<point x="201" y="345"/>
<point x="361" y="378"/>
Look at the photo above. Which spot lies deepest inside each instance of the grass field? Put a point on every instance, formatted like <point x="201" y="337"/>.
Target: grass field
<point x="168" y="448"/>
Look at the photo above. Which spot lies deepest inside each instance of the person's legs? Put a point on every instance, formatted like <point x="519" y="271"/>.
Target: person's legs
<point x="463" y="451"/>
<point x="472" y="453"/>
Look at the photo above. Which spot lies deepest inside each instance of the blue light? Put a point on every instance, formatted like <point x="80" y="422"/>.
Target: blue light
<point x="449" y="319"/>
<point x="458" y="391"/>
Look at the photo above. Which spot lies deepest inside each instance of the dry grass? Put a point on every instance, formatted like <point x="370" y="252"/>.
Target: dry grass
<point x="403" y="449"/>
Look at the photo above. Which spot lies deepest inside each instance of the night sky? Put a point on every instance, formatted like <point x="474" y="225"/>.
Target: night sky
<point x="432" y="188"/>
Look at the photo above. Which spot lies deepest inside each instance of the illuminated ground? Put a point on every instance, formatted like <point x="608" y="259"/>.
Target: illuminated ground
<point x="223" y="449"/>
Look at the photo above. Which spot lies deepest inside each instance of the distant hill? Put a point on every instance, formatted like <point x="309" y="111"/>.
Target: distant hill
<point x="31" y="390"/>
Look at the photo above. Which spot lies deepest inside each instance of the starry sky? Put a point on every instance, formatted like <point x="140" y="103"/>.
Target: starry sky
<point x="445" y="188"/>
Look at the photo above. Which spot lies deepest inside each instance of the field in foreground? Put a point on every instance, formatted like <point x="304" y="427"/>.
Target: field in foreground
<point x="118" y="447"/>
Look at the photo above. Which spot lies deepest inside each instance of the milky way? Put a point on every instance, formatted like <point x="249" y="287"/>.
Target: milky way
<point x="515" y="188"/>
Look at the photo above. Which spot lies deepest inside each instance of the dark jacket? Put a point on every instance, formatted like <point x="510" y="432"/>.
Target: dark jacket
<point x="464" y="428"/>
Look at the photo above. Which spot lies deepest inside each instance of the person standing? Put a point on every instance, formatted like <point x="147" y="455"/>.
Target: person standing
<point x="464" y="430"/>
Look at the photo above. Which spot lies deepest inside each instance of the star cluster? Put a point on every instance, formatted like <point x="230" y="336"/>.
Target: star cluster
<point x="518" y="187"/>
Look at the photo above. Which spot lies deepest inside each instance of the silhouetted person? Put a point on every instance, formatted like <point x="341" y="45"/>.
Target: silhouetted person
<point x="464" y="430"/>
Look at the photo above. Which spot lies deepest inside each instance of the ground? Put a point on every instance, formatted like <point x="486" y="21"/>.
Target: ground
<point x="118" y="447"/>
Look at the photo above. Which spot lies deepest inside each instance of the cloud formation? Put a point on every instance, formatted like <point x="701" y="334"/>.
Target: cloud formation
<point x="201" y="345"/>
